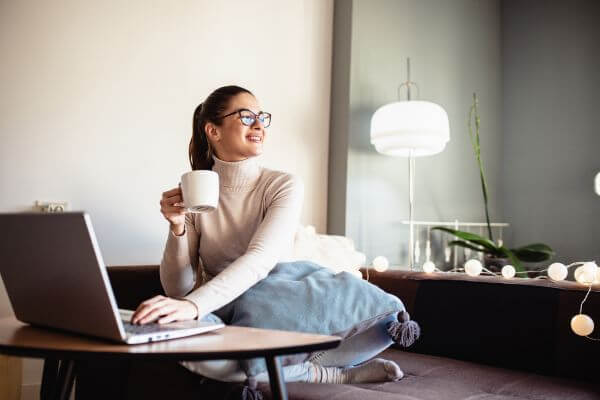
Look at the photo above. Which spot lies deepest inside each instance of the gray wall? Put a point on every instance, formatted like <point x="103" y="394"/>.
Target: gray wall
<point x="455" y="50"/>
<point x="551" y="66"/>
<point x="534" y="65"/>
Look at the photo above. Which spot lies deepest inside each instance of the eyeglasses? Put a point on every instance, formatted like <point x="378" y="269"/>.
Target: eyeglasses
<point x="248" y="117"/>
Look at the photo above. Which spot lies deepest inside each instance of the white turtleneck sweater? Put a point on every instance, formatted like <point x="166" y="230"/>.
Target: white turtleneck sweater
<point x="225" y="252"/>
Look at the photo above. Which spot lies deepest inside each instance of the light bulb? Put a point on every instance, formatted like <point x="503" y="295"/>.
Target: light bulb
<point x="508" y="271"/>
<point x="310" y="229"/>
<point x="586" y="274"/>
<point x="557" y="271"/>
<point x="582" y="324"/>
<point x="428" y="267"/>
<point x="380" y="263"/>
<point x="473" y="267"/>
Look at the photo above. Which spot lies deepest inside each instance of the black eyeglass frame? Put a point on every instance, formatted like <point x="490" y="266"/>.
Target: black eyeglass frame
<point x="239" y="112"/>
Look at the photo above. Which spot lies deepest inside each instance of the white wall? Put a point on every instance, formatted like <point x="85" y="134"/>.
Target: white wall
<point x="96" y="102"/>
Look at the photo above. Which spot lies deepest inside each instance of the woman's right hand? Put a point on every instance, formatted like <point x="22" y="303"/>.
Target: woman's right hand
<point x="171" y="207"/>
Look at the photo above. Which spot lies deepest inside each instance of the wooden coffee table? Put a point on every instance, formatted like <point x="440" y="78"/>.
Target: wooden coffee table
<point x="62" y="350"/>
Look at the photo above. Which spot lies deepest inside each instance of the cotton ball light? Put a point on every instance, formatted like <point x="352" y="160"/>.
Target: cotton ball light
<point x="508" y="271"/>
<point x="311" y="230"/>
<point x="582" y="324"/>
<point x="586" y="274"/>
<point x="428" y="267"/>
<point x="557" y="271"/>
<point x="473" y="267"/>
<point x="380" y="263"/>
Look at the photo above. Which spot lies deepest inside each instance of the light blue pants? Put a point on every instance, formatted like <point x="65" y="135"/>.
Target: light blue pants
<point x="352" y="351"/>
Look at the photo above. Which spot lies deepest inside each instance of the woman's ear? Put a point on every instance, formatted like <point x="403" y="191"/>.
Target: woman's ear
<point x="212" y="132"/>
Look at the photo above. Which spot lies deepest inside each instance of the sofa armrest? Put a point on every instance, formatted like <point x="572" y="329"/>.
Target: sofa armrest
<point x="518" y="323"/>
<point x="134" y="283"/>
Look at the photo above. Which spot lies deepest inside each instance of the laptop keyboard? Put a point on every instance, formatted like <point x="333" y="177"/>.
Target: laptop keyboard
<point x="147" y="328"/>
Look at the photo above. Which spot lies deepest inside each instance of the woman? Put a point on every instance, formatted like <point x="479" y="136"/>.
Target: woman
<point x="211" y="259"/>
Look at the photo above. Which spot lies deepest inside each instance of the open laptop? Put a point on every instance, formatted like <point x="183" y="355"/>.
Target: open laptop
<point x="55" y="277"/>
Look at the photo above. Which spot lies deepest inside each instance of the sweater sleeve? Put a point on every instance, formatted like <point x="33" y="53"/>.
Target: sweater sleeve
<point x="274" y="236"/>
<point x="179" y="265"/>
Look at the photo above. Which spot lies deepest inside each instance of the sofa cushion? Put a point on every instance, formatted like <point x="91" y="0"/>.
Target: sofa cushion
<point x="434" y="378"/>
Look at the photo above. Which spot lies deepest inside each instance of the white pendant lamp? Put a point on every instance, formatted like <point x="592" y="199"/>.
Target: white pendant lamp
<point x="411" y="128"/>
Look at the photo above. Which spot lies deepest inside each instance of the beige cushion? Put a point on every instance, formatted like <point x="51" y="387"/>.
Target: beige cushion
<point x="331" y="251"/>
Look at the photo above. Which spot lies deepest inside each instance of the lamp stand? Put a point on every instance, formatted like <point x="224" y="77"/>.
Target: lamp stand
<point x="411" y="240"/>
<point x="411" y="177"/>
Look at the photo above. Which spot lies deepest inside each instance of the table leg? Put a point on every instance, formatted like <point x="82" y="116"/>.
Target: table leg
<point x="278" y="390"/>
<point x="48" y="378"/>
<point x="65" y="379"/>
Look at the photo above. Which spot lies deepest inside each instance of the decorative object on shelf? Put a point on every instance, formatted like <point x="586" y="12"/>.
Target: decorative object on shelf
<point x="410" y="128"/>
<point x="456" y="224"/>
<point x="496" y="255"/>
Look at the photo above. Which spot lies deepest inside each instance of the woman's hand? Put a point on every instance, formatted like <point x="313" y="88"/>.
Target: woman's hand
<point x="165" y="310"/>
<point x="171" y="207"/>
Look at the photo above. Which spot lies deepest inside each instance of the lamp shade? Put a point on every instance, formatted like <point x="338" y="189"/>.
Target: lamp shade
<point x="402" y="126"/>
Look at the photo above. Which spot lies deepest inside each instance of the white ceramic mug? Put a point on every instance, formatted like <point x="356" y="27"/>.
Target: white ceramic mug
<point x="200" y="190"/>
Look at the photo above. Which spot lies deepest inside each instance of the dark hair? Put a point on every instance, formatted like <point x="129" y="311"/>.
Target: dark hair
<point x="200" y="150"/>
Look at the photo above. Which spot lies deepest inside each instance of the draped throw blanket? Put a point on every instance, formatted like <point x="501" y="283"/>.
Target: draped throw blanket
<point x="305" y="297"/>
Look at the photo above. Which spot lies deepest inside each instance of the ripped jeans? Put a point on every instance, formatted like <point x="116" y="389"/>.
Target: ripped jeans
<point x="352" y="351"/>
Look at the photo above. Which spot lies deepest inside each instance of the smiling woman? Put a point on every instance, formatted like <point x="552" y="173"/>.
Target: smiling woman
<point x="212" y="259"/>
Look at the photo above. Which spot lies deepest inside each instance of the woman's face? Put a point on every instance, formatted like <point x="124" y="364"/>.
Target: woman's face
<point x="232" y="140"/>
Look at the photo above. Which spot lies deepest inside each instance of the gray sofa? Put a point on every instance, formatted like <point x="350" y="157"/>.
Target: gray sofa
<point x="482" y="338"/>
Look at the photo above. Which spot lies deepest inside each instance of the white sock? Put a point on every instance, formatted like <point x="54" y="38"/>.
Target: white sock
<point x="376" y="370"/>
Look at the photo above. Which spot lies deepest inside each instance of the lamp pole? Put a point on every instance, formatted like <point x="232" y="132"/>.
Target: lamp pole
<point x="411" y="241"/>
<point x="411" y="176"/>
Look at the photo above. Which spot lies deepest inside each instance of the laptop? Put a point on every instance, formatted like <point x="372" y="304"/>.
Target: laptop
<point x="55" y="277"/>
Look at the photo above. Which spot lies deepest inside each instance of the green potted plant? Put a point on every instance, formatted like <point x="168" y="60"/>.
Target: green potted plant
<point x="496" y="256"/>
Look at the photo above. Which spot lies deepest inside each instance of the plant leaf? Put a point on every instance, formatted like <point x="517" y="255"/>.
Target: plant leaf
<point x="471" y="237"/>
<point x="462" y="243"/>
<point x="535" y="252"/>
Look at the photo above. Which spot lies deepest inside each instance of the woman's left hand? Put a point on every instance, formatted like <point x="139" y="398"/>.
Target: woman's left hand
<point x="165" y="310"/>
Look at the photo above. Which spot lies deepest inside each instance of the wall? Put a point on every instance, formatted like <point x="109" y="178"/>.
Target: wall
<point x="551" y="138"/>
<point x="97" y="99"/>
<point x="455" y="50"/>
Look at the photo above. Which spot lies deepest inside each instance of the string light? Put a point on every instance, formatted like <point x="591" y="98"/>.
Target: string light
<point x="582" y="325"/>
<point x="557" y="271"/>
<point x="380" y="263"/>
<point x="429" y="267"/>
<point x="508" y="271"/>
<point x="473" y="267"/>
<point x="586" y="273"/>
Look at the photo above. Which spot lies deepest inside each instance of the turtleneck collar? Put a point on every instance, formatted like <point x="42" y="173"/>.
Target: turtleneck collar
<point x="237" y="175"/>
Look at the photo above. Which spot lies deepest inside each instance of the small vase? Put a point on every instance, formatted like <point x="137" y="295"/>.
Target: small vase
<point x="494" y="263"/>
